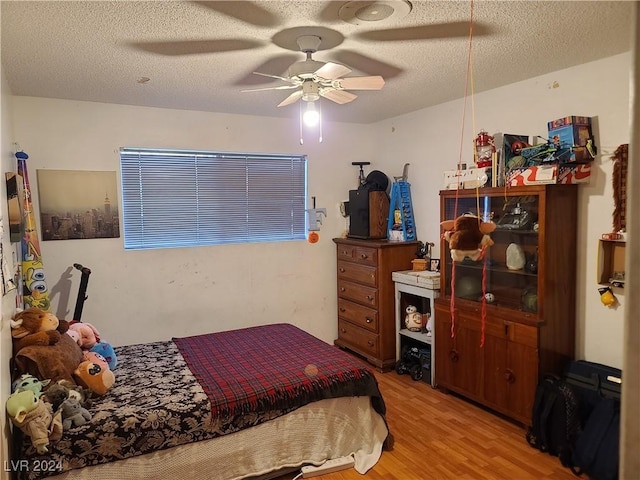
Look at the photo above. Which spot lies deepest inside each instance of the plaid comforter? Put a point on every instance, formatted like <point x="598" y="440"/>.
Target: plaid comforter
<point x="273" y="367"/>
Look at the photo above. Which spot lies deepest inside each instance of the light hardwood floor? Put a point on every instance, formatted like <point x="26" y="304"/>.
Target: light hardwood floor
<point x="442" y="436"/>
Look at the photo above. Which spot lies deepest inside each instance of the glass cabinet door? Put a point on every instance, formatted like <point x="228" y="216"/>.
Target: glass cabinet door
<point x="511" y="264"/>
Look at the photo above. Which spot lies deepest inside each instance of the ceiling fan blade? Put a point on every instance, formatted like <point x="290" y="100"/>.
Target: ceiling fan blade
<point x="338" y="96"/>
<point x="375" y="82"/>
<point x="280" y="87"/>
<point x="331" y="71"/>
<point x="294" y="97"/>
<point x="277" y="64"/>
<point x="195" y="47"/>
<point x="424" y="32"/>
<point x="272" y="76"/>
<point x="366" y="64"/>
<point x="247" y="12"/>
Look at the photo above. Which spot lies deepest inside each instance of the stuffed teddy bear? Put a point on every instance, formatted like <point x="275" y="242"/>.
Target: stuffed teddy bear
<point x="55" y="395"/>
<point x="467" y="236"/>
<point x="88" y="334"/>
<point x="107" y="352"/>
<point x="73" y="414"/>
<point x="35" y="418"/>
<point x="36" y="327"/>
<point x="58" y="392"/>
<point x="92" y="376"/>
<point x="29" y="382"/>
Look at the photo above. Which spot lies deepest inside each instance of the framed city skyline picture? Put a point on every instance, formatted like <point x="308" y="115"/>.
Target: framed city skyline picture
<point x="78" y="204"/>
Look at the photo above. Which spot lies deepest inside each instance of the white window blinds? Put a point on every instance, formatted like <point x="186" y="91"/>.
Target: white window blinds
<point x="188" y="198"/>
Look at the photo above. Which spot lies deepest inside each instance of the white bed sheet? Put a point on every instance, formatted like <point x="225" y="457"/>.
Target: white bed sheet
<point x="313" y="433"/>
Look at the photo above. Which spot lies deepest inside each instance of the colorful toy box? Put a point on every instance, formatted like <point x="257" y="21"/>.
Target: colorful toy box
<point x="572" y="174"/>
<point x="549" y="174"/>
<point x="537" y="175"/>
<point x="572" y="132"/>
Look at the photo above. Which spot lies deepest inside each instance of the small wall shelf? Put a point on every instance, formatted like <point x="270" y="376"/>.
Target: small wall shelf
<point x="611" y="263"/>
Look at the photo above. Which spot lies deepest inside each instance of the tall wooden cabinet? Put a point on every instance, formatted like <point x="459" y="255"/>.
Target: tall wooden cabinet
<point x="529" y="320"/>
<point x="366" y="298"/>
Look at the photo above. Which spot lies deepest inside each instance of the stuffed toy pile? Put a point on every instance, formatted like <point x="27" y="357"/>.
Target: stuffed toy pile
<point x="62" y="364"/>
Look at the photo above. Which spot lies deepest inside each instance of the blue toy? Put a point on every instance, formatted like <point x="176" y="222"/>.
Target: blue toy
<point x="107" y="351"/>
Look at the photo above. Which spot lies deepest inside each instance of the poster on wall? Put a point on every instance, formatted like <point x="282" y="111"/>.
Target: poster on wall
<point x="78" y="204"/>
<point x="15" y="200"/>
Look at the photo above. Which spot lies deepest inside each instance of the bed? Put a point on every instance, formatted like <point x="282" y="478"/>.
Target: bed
<point x="245" y="403"/>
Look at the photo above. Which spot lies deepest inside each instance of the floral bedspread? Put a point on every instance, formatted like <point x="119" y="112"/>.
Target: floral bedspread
<point x="156" y="403"/>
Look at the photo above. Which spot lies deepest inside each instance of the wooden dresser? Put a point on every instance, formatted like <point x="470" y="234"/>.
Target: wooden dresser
<point x="366" y="303"/>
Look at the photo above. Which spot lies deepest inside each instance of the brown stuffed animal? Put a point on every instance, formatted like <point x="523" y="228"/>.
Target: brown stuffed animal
<point x="467" y="236"/>
<point x="36" y="327"/>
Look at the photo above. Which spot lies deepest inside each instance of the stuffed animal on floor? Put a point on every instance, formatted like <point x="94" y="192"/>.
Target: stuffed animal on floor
<point x="468" y="236"/>
<point x="73" y="414"/>
<point x="35" y="418"/>
<point x="107" y="352"/>
<point x="36" y="327"/>
<point x="94" y="377"/>
<point x="88" y="334"/>
<point x="29" y="382"/>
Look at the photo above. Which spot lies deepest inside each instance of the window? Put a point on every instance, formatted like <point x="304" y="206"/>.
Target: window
<point x="187" y="198"/>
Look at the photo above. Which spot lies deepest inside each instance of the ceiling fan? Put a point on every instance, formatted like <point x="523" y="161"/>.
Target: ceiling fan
<point x="313" y="79"/>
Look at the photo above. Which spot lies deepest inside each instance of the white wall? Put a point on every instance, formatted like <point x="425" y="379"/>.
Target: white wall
<point x="430" y="140"/>
<point x="144" y="296"/>
<point x="8" y="300"/>
<point x="140" y="296"/>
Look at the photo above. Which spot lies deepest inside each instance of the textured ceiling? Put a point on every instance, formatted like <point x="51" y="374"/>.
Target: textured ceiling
<point x="200" y="55"/>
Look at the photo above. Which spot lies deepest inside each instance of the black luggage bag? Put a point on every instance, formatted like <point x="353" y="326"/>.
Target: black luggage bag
<point x="597" y="389"/>
<point x="592" y="382"/>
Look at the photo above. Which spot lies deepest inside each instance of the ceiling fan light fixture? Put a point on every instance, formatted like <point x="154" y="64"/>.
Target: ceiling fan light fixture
<point x="311" y="116"/>
<point x="370" y="12"/>
<point x="310" y="91"/>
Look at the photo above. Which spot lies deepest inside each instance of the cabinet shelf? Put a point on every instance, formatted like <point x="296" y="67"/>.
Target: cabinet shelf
<point x="419" y="336"/>
<point x="496" y="267"/>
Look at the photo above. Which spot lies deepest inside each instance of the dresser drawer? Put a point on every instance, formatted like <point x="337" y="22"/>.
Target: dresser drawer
<point x="358" y="273"/>
<point x="358" y="293"/>
<point x="358" y="314"/>
<point x="359" y="338"/>
<point x="354" y="253"/>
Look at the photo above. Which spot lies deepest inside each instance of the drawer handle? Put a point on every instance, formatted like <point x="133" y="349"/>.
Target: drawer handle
<point x="342" y="289"/>
<point x="454" y="356"/>
<point x="342" y="309"/>
<point x="369" y="320"/>
<point x="509" y="376"/>
<point x="370" y="343"/>
<point x="370" y="298"/>
<point x="345" y="252"/>
<point x="364" y="256"/>
<point x="342" y="330"/>
<point x="342" y="270"/>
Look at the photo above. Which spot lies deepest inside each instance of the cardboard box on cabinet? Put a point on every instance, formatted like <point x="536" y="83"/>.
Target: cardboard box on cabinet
<point x="572" y="132"/>
<point x="536" y="175"/>
<point x="572" y="174"/>
<point x="549" y="174"/>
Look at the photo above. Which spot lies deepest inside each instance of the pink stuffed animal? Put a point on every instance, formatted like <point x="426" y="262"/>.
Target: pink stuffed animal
<point x="88" y="334"/>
